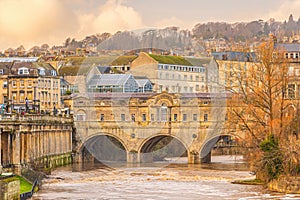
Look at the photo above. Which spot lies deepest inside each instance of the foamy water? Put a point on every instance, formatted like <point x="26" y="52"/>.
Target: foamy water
<point x="178" y="181"/>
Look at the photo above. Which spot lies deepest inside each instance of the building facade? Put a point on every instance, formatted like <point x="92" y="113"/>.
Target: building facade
<point x="171" y="73"/>
<point x="30" y="86"/>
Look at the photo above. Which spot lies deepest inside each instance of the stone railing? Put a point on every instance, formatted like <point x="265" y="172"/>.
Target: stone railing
<point x="29" y="118"/>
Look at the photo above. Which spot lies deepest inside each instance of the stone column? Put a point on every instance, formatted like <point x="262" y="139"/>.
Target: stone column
<point x="193" y="158"/>
<point x="16" y="153"/>
<point x="0" y="152"/>
<point x="133" y="157"/>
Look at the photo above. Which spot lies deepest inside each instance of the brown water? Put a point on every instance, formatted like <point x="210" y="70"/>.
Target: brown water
<point x="155" y="181"/>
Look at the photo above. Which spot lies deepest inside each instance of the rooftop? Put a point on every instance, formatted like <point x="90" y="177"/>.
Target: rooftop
<point x="175" y="60"/>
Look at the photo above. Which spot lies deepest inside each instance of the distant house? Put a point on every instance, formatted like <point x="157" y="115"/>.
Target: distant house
<point x="122" y="63"/>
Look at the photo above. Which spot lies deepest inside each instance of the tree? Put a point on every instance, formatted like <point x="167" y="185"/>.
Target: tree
<point x="261" y="109"/>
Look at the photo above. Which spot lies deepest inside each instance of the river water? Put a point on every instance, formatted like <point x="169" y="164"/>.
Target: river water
<point x="156" y="181"/>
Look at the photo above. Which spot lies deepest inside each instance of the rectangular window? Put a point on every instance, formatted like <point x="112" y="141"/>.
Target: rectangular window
<point x="1" y="71"/>
<point x="185" y="77"/>
<point x="22" y="97"/>
<point x="197" y="88"/>
<point x="14" y="97"/>
<point x="14" y="84"/>
<point x="175" y="117"/>
<point x="133" y="117"/>
<point x="184" y="117"/>
<point x="5" y="84"/>
<point x="29" y="84"/>
<point x="101" y="117"/>
<point x="195" y="117"/>
<point x="29" y="96"/>
<point x="197" y="78"/>
<point x="191" y="77"/>
<point x="80" y="117"/>
<point x="152" y="117"/>
<point x="205" y="117"/>
<point x="122" y="117"/>
<point x="22" y="83"/>
<point x="143" y="117"/>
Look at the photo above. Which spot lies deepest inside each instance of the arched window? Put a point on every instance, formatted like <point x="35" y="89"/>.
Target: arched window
<point x="163" y="112"/>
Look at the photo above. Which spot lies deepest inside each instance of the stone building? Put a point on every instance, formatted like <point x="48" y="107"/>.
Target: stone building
<point x="174" y="74"/>
<point x="29" y="86"/>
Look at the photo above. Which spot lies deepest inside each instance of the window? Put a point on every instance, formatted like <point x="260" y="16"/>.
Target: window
<point x="29" y="84"/>
<point x="185" y="77"/>
<point x="133" y="117"/>
<point x="175" y="117"/>
<point x="14" y="84"/>
<point x="23" y="70"/>
<point x="291" y="91"/>
<point x="195" y="117"/>
<point x="1" y="71"/>
<point x="53" y="73"/>
<point x="42" y="71"/>
<point x="167" y="76"/>
<point x="143" y="117"/>
<point x="80" y="117"/>
<point x="184" y="117"/>
<point x="101" y="117"/>
<point x="163" y="111"/>
<point x="14" y="97"/>
<point x="197" y="88"/>
<point x="5" y="84"/>
<point x="29" y="96"/>
<point x="22" y="83"/>
<point x="191" y="77"/>
<point x="122" y="117"/>
<point x="197" y="78"/>
<point x="205" y="117"/>
<point x="152" y="117"/>
<point x="22" y="97"/>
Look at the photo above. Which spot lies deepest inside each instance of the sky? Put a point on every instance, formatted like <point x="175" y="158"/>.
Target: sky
<point x="36" y="22"/>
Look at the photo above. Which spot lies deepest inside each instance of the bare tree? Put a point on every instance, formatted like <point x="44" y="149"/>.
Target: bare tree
<point x="263" y="111"/>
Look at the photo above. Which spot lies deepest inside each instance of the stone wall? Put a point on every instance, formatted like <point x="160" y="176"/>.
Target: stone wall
<point x="286" y="185"/>
<point x="10" y="189"/>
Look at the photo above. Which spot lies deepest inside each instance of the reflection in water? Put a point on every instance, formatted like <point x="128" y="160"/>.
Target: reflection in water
<point x="153" y="181"/>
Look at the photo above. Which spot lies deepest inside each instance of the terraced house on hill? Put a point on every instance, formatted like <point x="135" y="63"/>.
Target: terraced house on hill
<point x="29" y="86"/>
<point x="176" y="74"/>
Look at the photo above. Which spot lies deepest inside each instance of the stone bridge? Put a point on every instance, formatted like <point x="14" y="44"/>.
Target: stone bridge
<point x="135" y="123"/>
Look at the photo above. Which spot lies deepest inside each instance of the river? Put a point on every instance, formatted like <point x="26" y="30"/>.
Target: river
<point x="155" y="181"/>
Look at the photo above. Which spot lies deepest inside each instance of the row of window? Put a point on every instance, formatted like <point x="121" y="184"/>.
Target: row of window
<point x="185" y="89"/>
<point x="181" y="68"/>
<point x="179" y="77"/>
<point x="47" y="84"/>
<point x="162" y="117"/>
<point x="21" y="82"/>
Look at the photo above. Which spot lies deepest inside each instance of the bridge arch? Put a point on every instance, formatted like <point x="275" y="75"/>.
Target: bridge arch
<point x="149" y="151"/>
<point x="208" y="145"/>
<point x="104" y="148"/>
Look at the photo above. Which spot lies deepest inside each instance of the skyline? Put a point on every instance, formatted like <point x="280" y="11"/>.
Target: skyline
<point x="35" y="22"/>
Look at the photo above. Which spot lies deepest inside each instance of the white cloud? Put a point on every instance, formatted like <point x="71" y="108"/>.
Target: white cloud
<point x="114" y="16"/>
<point x="285" y="9"/>
<point x="33" y="22"/>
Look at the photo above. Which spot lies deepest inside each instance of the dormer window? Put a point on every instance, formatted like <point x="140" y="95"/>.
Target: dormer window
<point x="53" y="73"/>
<point x="41" y="71"/>
<point x="23" y="70"/>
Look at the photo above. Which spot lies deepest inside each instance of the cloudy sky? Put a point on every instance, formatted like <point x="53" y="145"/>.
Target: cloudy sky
<point x="34" y="22"/>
